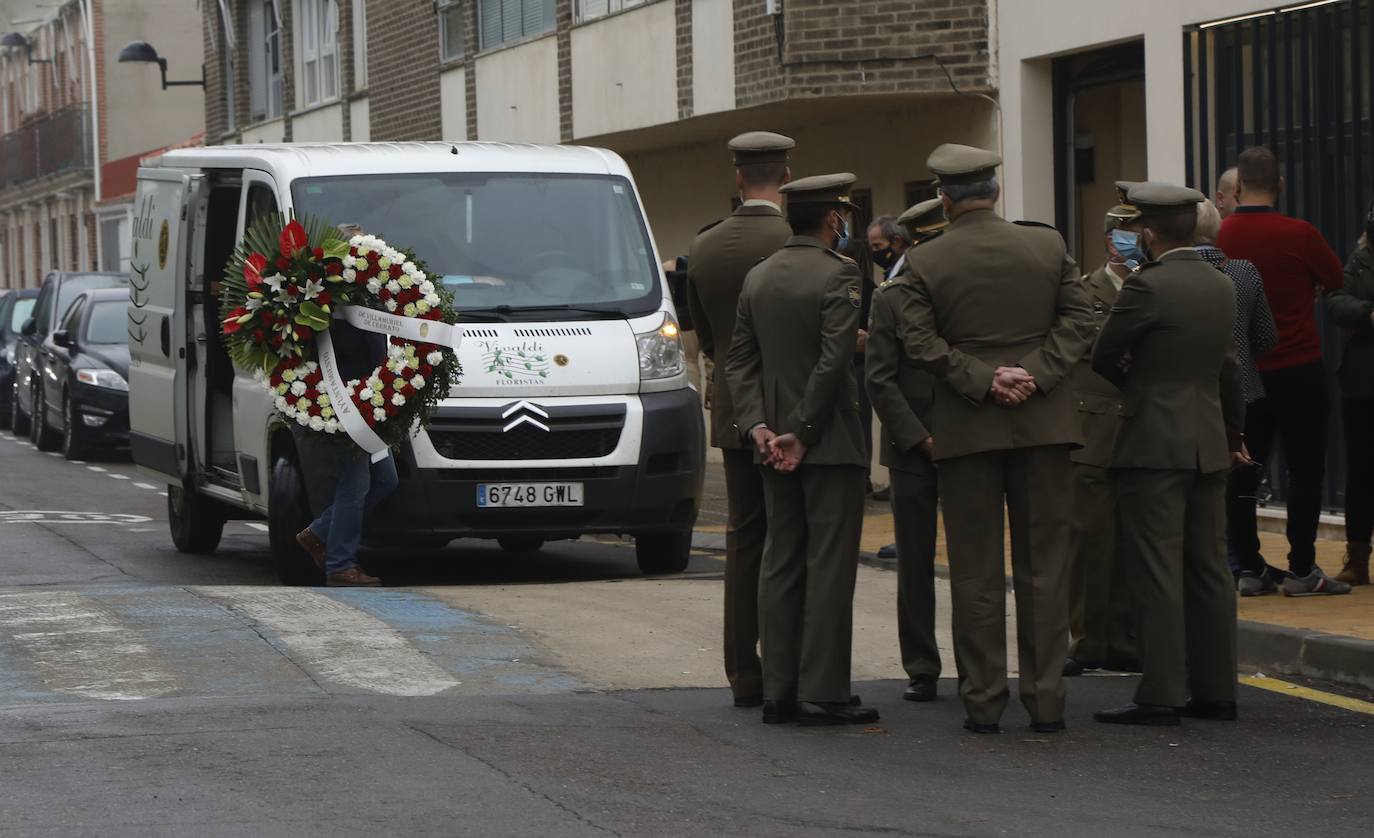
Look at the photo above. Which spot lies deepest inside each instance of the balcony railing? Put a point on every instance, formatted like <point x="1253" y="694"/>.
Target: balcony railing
<point x="53" y="144"/>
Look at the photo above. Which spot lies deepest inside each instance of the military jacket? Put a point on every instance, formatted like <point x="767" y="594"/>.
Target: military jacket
<point x="901" y="394"/>
<point x="716" y="264"/>
<point x="990" y="293"/>
<point x="790" y="364"/>
<point x="1184" y="404"/>
<point x="1097" y="400"/>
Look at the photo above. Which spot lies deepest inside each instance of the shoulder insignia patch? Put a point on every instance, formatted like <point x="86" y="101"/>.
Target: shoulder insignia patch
<point x="856" y="297"/>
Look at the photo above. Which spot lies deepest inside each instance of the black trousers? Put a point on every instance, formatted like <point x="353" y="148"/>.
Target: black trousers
<point x="1294" y="410"/>
<point x="865" y="413"/>
<point x="1358" y="415"/>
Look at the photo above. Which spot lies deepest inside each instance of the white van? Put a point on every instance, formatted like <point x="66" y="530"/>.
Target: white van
<point x="574" y="414"/>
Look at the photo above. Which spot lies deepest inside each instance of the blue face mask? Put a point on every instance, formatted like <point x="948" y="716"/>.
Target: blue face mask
<point x="844" y="234"/>
<point x="1127" y="246"/>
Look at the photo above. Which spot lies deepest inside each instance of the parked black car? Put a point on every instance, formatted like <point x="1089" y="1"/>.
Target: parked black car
<point x="85" y="391"/>
<point x="57" y="294"/>
<point x="15" y="308"/>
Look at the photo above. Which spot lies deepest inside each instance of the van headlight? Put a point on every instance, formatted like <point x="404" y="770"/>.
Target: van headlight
<point x="109" y="379"/>
<point x="660" y="352"/>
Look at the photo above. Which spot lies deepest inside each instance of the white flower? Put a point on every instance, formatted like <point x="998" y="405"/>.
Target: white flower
<point x="298" y="388"/>
<point x="349" y="274"/>
<point x="365" y="395"/>
<point x="282" y="404"/>
<point x="390" y="305"/>
<point x="302" y="419"/>
<point x="435" y="358"/>
<point x="378" y="413"/>
<point x="398" y="399"/>
<point x="375" y="384"/>
<point x="331" y="426"/>
<point x="253" y="303"/>
<point x="432" y="298"/>
<point x="303" y="405"/>
<point x="316" y="423"/>
<point x="426" y="287"/>
<point x="393" y="351"/>
<point x="373" y="286"/>
<point x="422" y="307"/>
<point x="418" y="382"/>
<point x="409" y="267"/>
<point x="409" y="310"/>
<point x="275" y="282"/>
<point x="394" y="287"/>
<point x="313" y="287"/>
<point x="327" y="412"/>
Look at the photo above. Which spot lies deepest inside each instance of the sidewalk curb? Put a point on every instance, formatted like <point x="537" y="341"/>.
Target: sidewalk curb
<point x="1261" y="647"/>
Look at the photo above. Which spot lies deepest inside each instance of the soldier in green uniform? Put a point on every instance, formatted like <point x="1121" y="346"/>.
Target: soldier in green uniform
<point x="998" y="314"/>
<point x="1100" y="628"/>
<point x="1168" y="346"/>
<point x="902" y="396"/>
<point x="791" y="375"/>
<point x="719" y="258"/>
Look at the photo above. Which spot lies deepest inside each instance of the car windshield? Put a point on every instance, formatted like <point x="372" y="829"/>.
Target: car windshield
<point x="532" y="241"/>
<point x="106" y="324"/>
<point x="72" y="287"/>
<point x="22" y="309"/>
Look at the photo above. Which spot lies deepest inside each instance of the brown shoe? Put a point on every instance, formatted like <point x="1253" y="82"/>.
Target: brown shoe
<point x="1356" y="570"/>
<point x="353" y="577"/>
<point x="312" y="544"/>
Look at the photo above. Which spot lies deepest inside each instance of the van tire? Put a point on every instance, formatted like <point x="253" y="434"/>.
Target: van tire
<point x="521" y="543"/>
<point x="196" y="522"/>
<point x="288" y="512"/>
<point x="663" y="552"/>
<point x="19" y="420"/>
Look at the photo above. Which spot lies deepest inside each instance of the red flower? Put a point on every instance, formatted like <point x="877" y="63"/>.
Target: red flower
<point x="318" y="253"/>
<point x="353" y="251"/>
<point x="276" y="341"/>
<point x="292" y="239"/>
<point x="231" y="326"/>
<point x="314" y="409"/>
<point x="390" y="409"/>
<point x="324" y="298"/>
<point x="426" y="370"/>
<point x="304" y="333"/>
<point x="373" y="257"/>
<point x="383" y="295"/>
<point x="407" y="390"/>
<point x="259" y="336"/>
<point x="394" y="271"/>
<point x="283" y="263"/>
<point x="333" y="268"/>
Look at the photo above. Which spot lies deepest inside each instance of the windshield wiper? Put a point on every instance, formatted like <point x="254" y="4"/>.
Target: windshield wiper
<point x="496" y="314"/>
<point x="605" y="313"/>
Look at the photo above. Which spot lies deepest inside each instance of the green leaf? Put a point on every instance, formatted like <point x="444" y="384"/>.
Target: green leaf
<point x="334" y="248"/>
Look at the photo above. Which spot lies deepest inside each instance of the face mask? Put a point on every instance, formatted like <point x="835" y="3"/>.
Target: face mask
<point x="884" y="258"/>
<point x="843" y="233"/>
<point x="1127" y="246"/>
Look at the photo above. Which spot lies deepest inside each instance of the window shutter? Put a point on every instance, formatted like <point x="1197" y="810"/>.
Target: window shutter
<point x="590" y="9"/>
<point x="257" y="62"/>
<point x="511" y="20"/>
<point x="491" y="23"/>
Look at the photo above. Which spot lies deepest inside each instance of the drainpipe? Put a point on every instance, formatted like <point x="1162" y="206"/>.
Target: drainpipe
<point x="88" y="24"/>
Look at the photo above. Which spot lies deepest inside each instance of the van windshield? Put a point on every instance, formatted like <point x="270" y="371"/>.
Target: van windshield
<point x="523" y="241"/>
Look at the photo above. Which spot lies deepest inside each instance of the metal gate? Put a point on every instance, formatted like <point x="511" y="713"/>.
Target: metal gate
<point x="1299" y="81"/>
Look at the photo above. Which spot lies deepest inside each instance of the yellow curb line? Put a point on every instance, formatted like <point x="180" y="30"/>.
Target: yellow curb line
<point x="1274" y="685"/>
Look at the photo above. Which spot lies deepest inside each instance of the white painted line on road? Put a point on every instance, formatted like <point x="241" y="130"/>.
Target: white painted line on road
<point x="118" y="476"/>
<point x="145" y="486"/>
<point x="52" y="453"/>
<point x="79" y="647"/>
<point x="257" y="525"/>
<point x="336" y="642"/>
<point x="78" y="462"/>
<point x="95" y="468"/>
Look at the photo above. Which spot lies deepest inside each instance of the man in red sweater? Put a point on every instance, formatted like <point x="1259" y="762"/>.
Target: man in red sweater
<point x="1296" y="265"/>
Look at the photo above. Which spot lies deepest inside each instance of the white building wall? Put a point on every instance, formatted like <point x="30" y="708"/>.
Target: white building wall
<point x="624" y="71"/>
<point x="321" y="125"/>
<point x="713" y="56"/>
<point x="517" y="93"/>
<point x="360" y="120"/>
<point x="1030" y="35"/>
<point x="273" y="131"/>
<point x="453" y="104"/>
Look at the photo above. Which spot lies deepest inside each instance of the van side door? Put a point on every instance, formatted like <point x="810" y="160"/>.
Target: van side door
<point x="158" y="425"/>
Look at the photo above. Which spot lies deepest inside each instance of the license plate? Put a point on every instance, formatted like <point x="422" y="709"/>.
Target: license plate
<point x="529" y="494"/>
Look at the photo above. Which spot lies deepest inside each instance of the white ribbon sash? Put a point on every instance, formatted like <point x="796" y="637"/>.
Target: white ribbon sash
<point x="391" y="325"/>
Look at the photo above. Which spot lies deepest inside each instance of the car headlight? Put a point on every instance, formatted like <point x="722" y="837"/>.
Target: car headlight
<point x="660" y="352"/>
<point x="108" y="379"/>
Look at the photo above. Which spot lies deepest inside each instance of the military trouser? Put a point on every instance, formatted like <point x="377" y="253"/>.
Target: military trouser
<point x="1100" y="597"/>
<point x="1035" y="484"/>
<point x="1174" y="540"/>
<point x="745" y="531"/>
<point x="914" y="514"/>
<point x="806" y="590"/>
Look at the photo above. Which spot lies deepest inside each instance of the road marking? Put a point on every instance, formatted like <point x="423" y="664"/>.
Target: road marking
<point x="52" y="453"/>
<point x="78" y="462"/>
<point x="146" y="486"/>
<point x="1274" y="685"/>
<point x="48" y="516"/>
<point x="118" y="476"/>
<point x="257" y="525"/>
<point x="95" y="468"/>
<point x="79" y="647"/>
<point x="336" y="642"/>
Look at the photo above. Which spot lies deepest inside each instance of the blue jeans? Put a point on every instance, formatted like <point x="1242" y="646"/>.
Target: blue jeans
<point x="361" y="486"/>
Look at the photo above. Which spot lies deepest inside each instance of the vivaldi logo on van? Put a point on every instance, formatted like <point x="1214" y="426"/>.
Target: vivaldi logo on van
<point x="512" y="364"/>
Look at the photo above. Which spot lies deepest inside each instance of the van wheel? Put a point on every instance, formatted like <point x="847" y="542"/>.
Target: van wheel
<point x="44" y="436"/>
<point x="521" y="544"/>
<point x="663" y="552"/>
<point x="196" y="522"/>
<point x="19" y="420"/>
<point x="288" y="512"/>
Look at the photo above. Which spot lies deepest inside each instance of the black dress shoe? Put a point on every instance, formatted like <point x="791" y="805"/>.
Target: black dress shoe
<point x="748" y="701"/>
<point x="1139" y="714"/>
<point x="979" y="727"/>
<point x="779" y="712"/>
<point x="815" y="713"/>
<point x="1074" y="667"/>
<point x="1048" y="727"/>
<point x="885" y="493"/>
<point x="1213" y="711"/>
<point x="921" y="688"/>
<point x="887" y="551"/>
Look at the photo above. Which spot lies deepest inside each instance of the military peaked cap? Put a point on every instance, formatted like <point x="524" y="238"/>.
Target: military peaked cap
<point x="761" y="147"/>
<point x="820" y="189"/>
<point x="924" y="219"/>
<point x="1154" y="197"/>
<point x="955" y="164"/>
<point x="1124" y="209"/>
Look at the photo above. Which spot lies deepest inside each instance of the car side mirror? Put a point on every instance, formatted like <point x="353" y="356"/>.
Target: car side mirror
<point x="29" y="328"/>
<point x="62" y="338"/>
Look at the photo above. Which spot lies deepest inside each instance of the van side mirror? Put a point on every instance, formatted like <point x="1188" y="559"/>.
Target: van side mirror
<point x="62" y="338"/>
<point x="29" y="328"/>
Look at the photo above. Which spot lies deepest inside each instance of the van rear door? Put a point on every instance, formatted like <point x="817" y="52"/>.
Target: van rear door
<point x="157" y="319"/>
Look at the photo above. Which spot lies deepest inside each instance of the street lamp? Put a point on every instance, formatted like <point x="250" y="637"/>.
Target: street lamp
<point x="143" y="52"/>
<point x="13" y="40"/>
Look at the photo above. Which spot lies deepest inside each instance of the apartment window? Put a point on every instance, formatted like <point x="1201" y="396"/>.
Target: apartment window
<point x="264" y="60"/>
<point x="451" y="21"/>
<point x="503" y="21"/>
<point x="359" y="44"/>
<point x="319" y="46"/>
<point x="593" y="9"/>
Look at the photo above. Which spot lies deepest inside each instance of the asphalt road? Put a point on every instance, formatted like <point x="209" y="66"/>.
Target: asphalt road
<point x="144" y="692"/>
